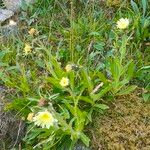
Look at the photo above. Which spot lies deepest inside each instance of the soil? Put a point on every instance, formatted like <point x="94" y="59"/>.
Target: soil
<point x="126" y="126"/>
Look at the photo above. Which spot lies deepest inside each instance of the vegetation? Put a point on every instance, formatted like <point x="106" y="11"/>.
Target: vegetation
<point x="70" y="59"/>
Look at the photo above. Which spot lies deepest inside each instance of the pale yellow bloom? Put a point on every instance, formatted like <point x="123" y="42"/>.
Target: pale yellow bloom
<point x="64" y="82"/>
<point x="27" y="49"/>
<point x="44" y="119"/>
<point x="32" y="31"/>
<point x="68" y="68"/>
<point x="30" y="116"/>
<point x="122" y="23"/>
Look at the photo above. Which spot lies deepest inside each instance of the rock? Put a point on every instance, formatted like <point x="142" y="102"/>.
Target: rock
<point x="10" y="29"/>
<point x="5" y="14"/>
<point x="12" y="7"/>
<point x="15" y="5"/>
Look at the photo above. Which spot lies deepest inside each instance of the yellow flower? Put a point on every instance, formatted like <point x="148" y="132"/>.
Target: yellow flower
<point x="30" y="116"/>
<point x="44" y="119"/>
<point x="122" y="23"/>
<point x="64" y="82"/>
<point x="68" y="68"/>
<point x="27" y="49"/>
<point x="32" y="31"/>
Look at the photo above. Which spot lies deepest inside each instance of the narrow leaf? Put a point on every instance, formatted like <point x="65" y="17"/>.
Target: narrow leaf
<point x="135" y="7"/>
<point x="101" y="106"/>
<point x="101" y="93"/>
<point x="144" y="5"/>
<point x="85" y="139"/>
<point x="127" y="90"/>
<point x="87" y="80"/>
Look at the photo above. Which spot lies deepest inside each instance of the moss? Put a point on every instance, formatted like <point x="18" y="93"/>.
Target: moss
<point x="125" y="126"/>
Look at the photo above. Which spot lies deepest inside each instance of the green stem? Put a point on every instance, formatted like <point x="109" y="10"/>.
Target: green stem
<point x="75" y="101"/>
<point x="71" y="32"/>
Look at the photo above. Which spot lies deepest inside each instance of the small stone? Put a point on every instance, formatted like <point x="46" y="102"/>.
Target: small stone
<point x="5" y="14"/>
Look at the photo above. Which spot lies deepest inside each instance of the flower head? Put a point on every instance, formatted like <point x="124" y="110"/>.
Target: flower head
<point x="30" y="116"/>
<point x="44" y="119"/>
<point x="27" y="49"/>
<point x="122" y="23"/>
<point x="64" y="82"/>
<point x="68" y="68"/>
<point x="32" y="31"/>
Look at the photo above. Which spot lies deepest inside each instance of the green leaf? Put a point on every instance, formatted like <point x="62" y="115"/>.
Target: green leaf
<point x="49" y="67"/>
<point x="145" y="67"/>
<point x="12" y="68"/>
<point x="57" y="67"/>
<point x="135" y="7"/>
<point x="40" y="63"/>
<point x="122" y="83"/>
<point x="146" y="23"/>
<point x="147" y="87"/>
<point x="142" y="69"/>
<point x="33" y="135"/>
<point x="130" y="71"/>
<point x="80" y="122"/>
<point x="3" y="53"/>
<point x="71" y="108"/>
<point x="94" y="33"/>
<point x="123" y="47"/>
<point x="99" y="46"/>
<point x="86" y="99"/>
<point x="87" y="80"/>
<point x="33" y="99"/>
<point x="85" y="139"/>
<point x="54" y="82"/>
<point x="89" y="116"/>
<point x="101" y="106"/>
<point x="126" y="68"/>
<point x="64" y="112"/>
<point x="101" y="93"/>
<point x="3" y="64"/>
<point x="144" y="5"/>
<point x="72" y="79"/>
<point x="127" y="90"/>
<point x="101" y="77"/>
<point x="115" y="68"/>
<point x="146" y="97"/>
